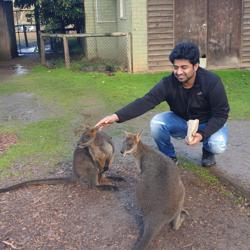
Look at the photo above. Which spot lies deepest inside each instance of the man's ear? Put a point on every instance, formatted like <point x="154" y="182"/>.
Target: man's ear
<point x="196" y="66"/>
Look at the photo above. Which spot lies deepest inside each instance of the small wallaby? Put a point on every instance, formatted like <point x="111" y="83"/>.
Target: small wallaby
<point x="159" y="190"/>
<point x="92" y="157"/>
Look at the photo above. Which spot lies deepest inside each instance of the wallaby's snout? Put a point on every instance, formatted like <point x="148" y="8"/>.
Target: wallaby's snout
<point x="87" y="137"/>
<point x="124" y="149"/>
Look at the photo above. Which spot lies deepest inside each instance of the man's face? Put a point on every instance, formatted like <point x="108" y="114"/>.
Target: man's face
<point x="184" y="71"/>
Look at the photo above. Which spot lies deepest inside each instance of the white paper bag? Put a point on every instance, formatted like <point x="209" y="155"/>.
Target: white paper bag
<point x="192" y="129"/>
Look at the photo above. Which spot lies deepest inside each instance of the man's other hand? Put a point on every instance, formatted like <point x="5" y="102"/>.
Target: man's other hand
<point x="197" y="137"/>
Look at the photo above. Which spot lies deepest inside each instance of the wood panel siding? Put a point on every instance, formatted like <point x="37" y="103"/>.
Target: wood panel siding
<point x="160" y="33"/>
<point x="245" y="35"/>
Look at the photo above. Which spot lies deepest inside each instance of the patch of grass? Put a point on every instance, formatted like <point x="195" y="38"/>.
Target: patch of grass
<point x="45" y="141"/>
<point x="237" y="85"/>
<point x="202" y="173"/>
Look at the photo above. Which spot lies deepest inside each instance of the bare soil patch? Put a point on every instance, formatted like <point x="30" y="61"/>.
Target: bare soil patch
<point x="6" y="140"/>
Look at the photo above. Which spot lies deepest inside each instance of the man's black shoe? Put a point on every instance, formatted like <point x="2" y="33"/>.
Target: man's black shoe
<point x="208" y="158"/>
<point x="175" y="160"/>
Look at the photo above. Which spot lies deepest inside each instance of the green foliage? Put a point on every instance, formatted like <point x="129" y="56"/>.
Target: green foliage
<point x="25" y="3"/>
<point x="58" y="14"/>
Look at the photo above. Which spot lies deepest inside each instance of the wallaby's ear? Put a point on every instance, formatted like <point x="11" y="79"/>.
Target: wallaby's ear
<point x="94" y="130"/>
<point x="138" y="136"/>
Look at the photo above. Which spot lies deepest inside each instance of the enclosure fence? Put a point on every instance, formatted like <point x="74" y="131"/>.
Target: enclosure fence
<point x="112" y="48"/>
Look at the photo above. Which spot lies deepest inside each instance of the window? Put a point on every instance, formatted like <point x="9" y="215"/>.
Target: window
<point x="106" y="11"/>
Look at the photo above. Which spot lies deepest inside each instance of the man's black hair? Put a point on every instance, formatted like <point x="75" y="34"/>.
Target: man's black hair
<point x="185" y="50"/>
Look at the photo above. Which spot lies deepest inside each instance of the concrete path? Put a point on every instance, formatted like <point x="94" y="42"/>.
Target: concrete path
<point x="233" y="165"/>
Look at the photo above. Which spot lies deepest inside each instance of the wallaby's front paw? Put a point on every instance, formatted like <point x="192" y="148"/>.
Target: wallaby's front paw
<point x="108" y="188"/>
<point x="184" y="212"/>
<point x="116" y="178"/>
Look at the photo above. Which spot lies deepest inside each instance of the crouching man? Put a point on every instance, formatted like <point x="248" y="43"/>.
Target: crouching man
<point x="191" y="93"/>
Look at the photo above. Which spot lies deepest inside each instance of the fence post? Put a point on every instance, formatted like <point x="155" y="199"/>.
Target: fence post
<point x="129" y="52"/>
<point x="42" y="46"/>
<point x="66" y="52"/>
<point x="25" y="36"/>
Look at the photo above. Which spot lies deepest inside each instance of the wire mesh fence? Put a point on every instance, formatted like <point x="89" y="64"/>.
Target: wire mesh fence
<point x="96" y="51"/>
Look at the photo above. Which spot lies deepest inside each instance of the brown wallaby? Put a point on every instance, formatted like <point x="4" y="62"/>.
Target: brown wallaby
<point x="92" y="157"/>
<point x="159" y="190"/>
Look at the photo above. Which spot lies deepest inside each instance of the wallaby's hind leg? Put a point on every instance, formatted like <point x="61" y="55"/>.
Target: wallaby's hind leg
<point x="178" y="220"/>
<point x="105" y="184"/>
<point x="106" y="167"/>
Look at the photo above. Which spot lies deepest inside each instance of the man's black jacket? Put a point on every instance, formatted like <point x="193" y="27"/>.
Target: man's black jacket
<point x="206" y="101"/>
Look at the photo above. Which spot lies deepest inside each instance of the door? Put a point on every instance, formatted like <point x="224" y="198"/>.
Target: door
<point x="191" y="23"/>
<point x="224" y="32"/>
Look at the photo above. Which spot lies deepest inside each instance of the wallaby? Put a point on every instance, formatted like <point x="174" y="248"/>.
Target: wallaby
<point x="92" y="156"/>
<point x="159" y="190"/>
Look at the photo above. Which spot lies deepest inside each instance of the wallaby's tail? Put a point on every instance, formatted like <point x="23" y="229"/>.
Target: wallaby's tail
<point x="149" y="232"/>
<point x="47" y="181"/>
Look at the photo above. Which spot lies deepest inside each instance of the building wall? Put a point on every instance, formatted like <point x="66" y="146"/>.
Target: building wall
<point x="124" y="24"/>
<point x="218" y="27"/>
<point x="245" y="34"/>
<point x="105" y="17"/>
<point x="160" y="33"/>
<point x="101" y="17"/>
<point x="139" y="35"/>
<point x="8" y="47"/>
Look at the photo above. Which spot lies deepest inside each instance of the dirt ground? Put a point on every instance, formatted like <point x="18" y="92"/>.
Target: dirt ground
<point x="72" y="217"/>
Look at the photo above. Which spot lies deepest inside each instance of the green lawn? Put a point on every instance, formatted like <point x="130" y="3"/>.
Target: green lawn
<point x="75" y="94"/>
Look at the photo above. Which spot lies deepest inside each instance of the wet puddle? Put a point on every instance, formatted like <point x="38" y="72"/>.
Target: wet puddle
<point x="19" y="69"/>
<point x="12" y="69"/>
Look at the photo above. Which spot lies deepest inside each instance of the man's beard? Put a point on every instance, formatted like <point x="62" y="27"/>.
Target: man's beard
<point x="185" y="80"/>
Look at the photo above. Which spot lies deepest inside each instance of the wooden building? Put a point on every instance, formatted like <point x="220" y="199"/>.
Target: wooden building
<point x="8" y="47"/>
<point x="221" y="28"/>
